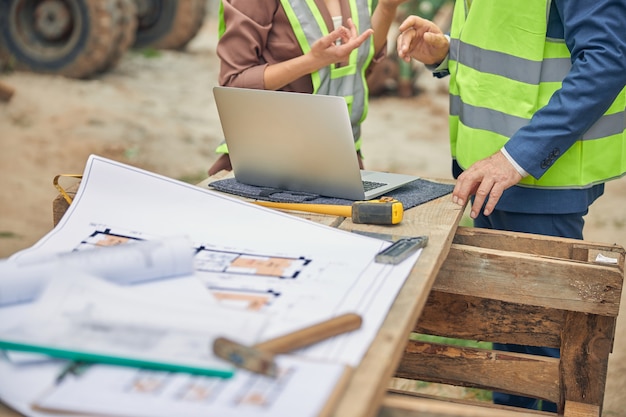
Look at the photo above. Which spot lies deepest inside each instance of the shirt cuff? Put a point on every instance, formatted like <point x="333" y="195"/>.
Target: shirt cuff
<point x="517" y="167"/>
<point x="443" y="65"/>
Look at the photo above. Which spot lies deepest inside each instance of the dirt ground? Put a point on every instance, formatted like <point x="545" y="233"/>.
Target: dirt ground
<point x="158" y="113"/>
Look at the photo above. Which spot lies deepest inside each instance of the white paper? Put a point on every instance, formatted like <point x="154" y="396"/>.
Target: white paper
<point x="248" y="258"/>
<point x="301" y="389"/>
<point x="123" y="261"/>
<point x="82" y="314"/>
<point x="328" y="272"/>
<point x="602" y="259"/>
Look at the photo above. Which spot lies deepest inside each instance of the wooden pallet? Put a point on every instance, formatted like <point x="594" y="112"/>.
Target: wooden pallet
<point x="525" y="289"/>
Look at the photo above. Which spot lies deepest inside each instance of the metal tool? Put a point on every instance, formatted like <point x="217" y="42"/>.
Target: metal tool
<point x="385" y="210"/>
<point x="402" y="247"/>
<point x="400" y="250"/>
<point x="259" y="358"/>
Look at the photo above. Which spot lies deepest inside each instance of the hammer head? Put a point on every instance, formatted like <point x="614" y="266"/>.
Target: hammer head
<point x="245" y="357"/>
<point x="260" y="357"/>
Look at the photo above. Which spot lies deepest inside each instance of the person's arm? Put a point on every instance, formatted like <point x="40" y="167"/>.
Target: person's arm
<point x="324" y="52"/>
<point x="242" y="46"/>
<point x="383" y="16"/>
<point x="595" y="36"/>
<point x="593" y="33"/>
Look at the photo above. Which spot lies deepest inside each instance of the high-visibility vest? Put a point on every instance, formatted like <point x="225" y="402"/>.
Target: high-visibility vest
<point x="347" y="80"/>
<point x="498" y="80"/>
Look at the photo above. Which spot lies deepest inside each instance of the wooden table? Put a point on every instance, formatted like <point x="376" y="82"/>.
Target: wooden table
<point x="492" y="286"/>
<point x="488" y="285"/>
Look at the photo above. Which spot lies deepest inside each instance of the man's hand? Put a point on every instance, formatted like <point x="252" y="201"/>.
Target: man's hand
<point x="486" y="178"/>
<point x="423" y="40"/>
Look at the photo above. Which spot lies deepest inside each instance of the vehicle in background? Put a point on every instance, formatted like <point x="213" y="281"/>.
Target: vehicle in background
<point x="84" y="38"/>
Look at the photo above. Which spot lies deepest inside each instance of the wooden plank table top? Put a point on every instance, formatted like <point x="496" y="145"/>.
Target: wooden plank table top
<point x="364" y="388"/>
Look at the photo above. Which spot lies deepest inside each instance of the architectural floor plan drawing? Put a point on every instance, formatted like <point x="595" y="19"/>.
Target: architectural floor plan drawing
<point x="244" y="280"/>
<point x="287" y="271"/>
<point x="250" y="257"/>
<point x="210" y="260"/>
<point x="215" y="261"/>
<point x="300" y="390"/>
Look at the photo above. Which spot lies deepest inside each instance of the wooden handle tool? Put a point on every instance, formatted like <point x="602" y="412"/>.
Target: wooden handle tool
<point x="385" y="210"/>
<point x="259" y="358"/>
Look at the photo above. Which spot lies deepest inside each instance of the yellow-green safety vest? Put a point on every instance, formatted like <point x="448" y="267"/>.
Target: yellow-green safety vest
<point x="497" y="83"/>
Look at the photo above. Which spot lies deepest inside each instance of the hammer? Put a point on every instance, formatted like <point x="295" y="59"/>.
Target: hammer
<point x="385" y="210"/>
<point x="259" y="358"/>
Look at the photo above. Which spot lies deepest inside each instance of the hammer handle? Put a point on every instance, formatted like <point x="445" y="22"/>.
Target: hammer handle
<point x="312" y="334"/>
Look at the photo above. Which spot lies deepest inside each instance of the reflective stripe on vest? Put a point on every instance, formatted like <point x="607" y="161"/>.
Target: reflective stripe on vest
<point x="348" y="80"/>
<point x="497" y="83"/>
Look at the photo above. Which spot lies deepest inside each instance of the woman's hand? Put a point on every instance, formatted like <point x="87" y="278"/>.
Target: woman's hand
<point x="332" y="48"/>
<point x="338" y="44"/>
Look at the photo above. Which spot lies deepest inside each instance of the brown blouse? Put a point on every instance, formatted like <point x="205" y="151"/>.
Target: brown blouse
<point x="258" y="34"/>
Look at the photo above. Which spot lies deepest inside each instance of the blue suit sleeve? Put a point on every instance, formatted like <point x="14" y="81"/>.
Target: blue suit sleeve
<point x="594" y="34"/>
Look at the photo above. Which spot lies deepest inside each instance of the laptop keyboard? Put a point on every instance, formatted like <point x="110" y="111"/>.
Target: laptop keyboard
<point x="370" y="185"/>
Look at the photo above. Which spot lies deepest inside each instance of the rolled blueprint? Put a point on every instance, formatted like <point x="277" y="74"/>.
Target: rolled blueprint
<point x="130" y="263"/>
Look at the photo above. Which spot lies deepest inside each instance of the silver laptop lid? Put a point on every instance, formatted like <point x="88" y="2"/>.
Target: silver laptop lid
<point x="291" y="141"/>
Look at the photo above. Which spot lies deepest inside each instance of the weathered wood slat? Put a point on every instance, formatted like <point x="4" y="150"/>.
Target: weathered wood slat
<point x="532" y="280"/>
<point x="476" y="318"/>
<point x="433" y="219"/>
<point x="574" y="409"/>
<point x="548" y="246"/>
<point x="395" y="405"/>
<point x="587" y="342"/>
<point x="528" y="375"/>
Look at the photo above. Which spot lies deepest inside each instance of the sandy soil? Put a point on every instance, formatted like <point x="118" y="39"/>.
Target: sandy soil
<point x="158" y="113"/>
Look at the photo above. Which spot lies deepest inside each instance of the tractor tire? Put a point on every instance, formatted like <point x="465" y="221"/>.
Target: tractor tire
<point x="168" y="24"/>
<point x="73" y="38"/>
<point x="124" y="15"/>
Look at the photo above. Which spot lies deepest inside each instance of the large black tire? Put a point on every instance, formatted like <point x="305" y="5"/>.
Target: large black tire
<point x="124" y="15"/>
<point x="168" y="24"/>
<point x="74" y="38"/>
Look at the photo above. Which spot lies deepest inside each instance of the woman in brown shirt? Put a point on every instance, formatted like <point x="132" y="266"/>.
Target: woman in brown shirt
<point x="259" y="49"/>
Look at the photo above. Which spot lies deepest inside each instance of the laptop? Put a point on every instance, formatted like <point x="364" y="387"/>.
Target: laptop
<point x="297" y="142"/>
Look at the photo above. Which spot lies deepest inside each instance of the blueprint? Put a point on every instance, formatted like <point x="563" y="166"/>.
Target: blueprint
<point x="247" y="258"/>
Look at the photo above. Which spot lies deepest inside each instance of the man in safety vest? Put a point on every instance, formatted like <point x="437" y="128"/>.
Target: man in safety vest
<point x="536" y="111"/>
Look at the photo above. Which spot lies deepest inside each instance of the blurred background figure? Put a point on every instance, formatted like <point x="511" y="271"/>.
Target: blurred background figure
<point x="394" y="76"/>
